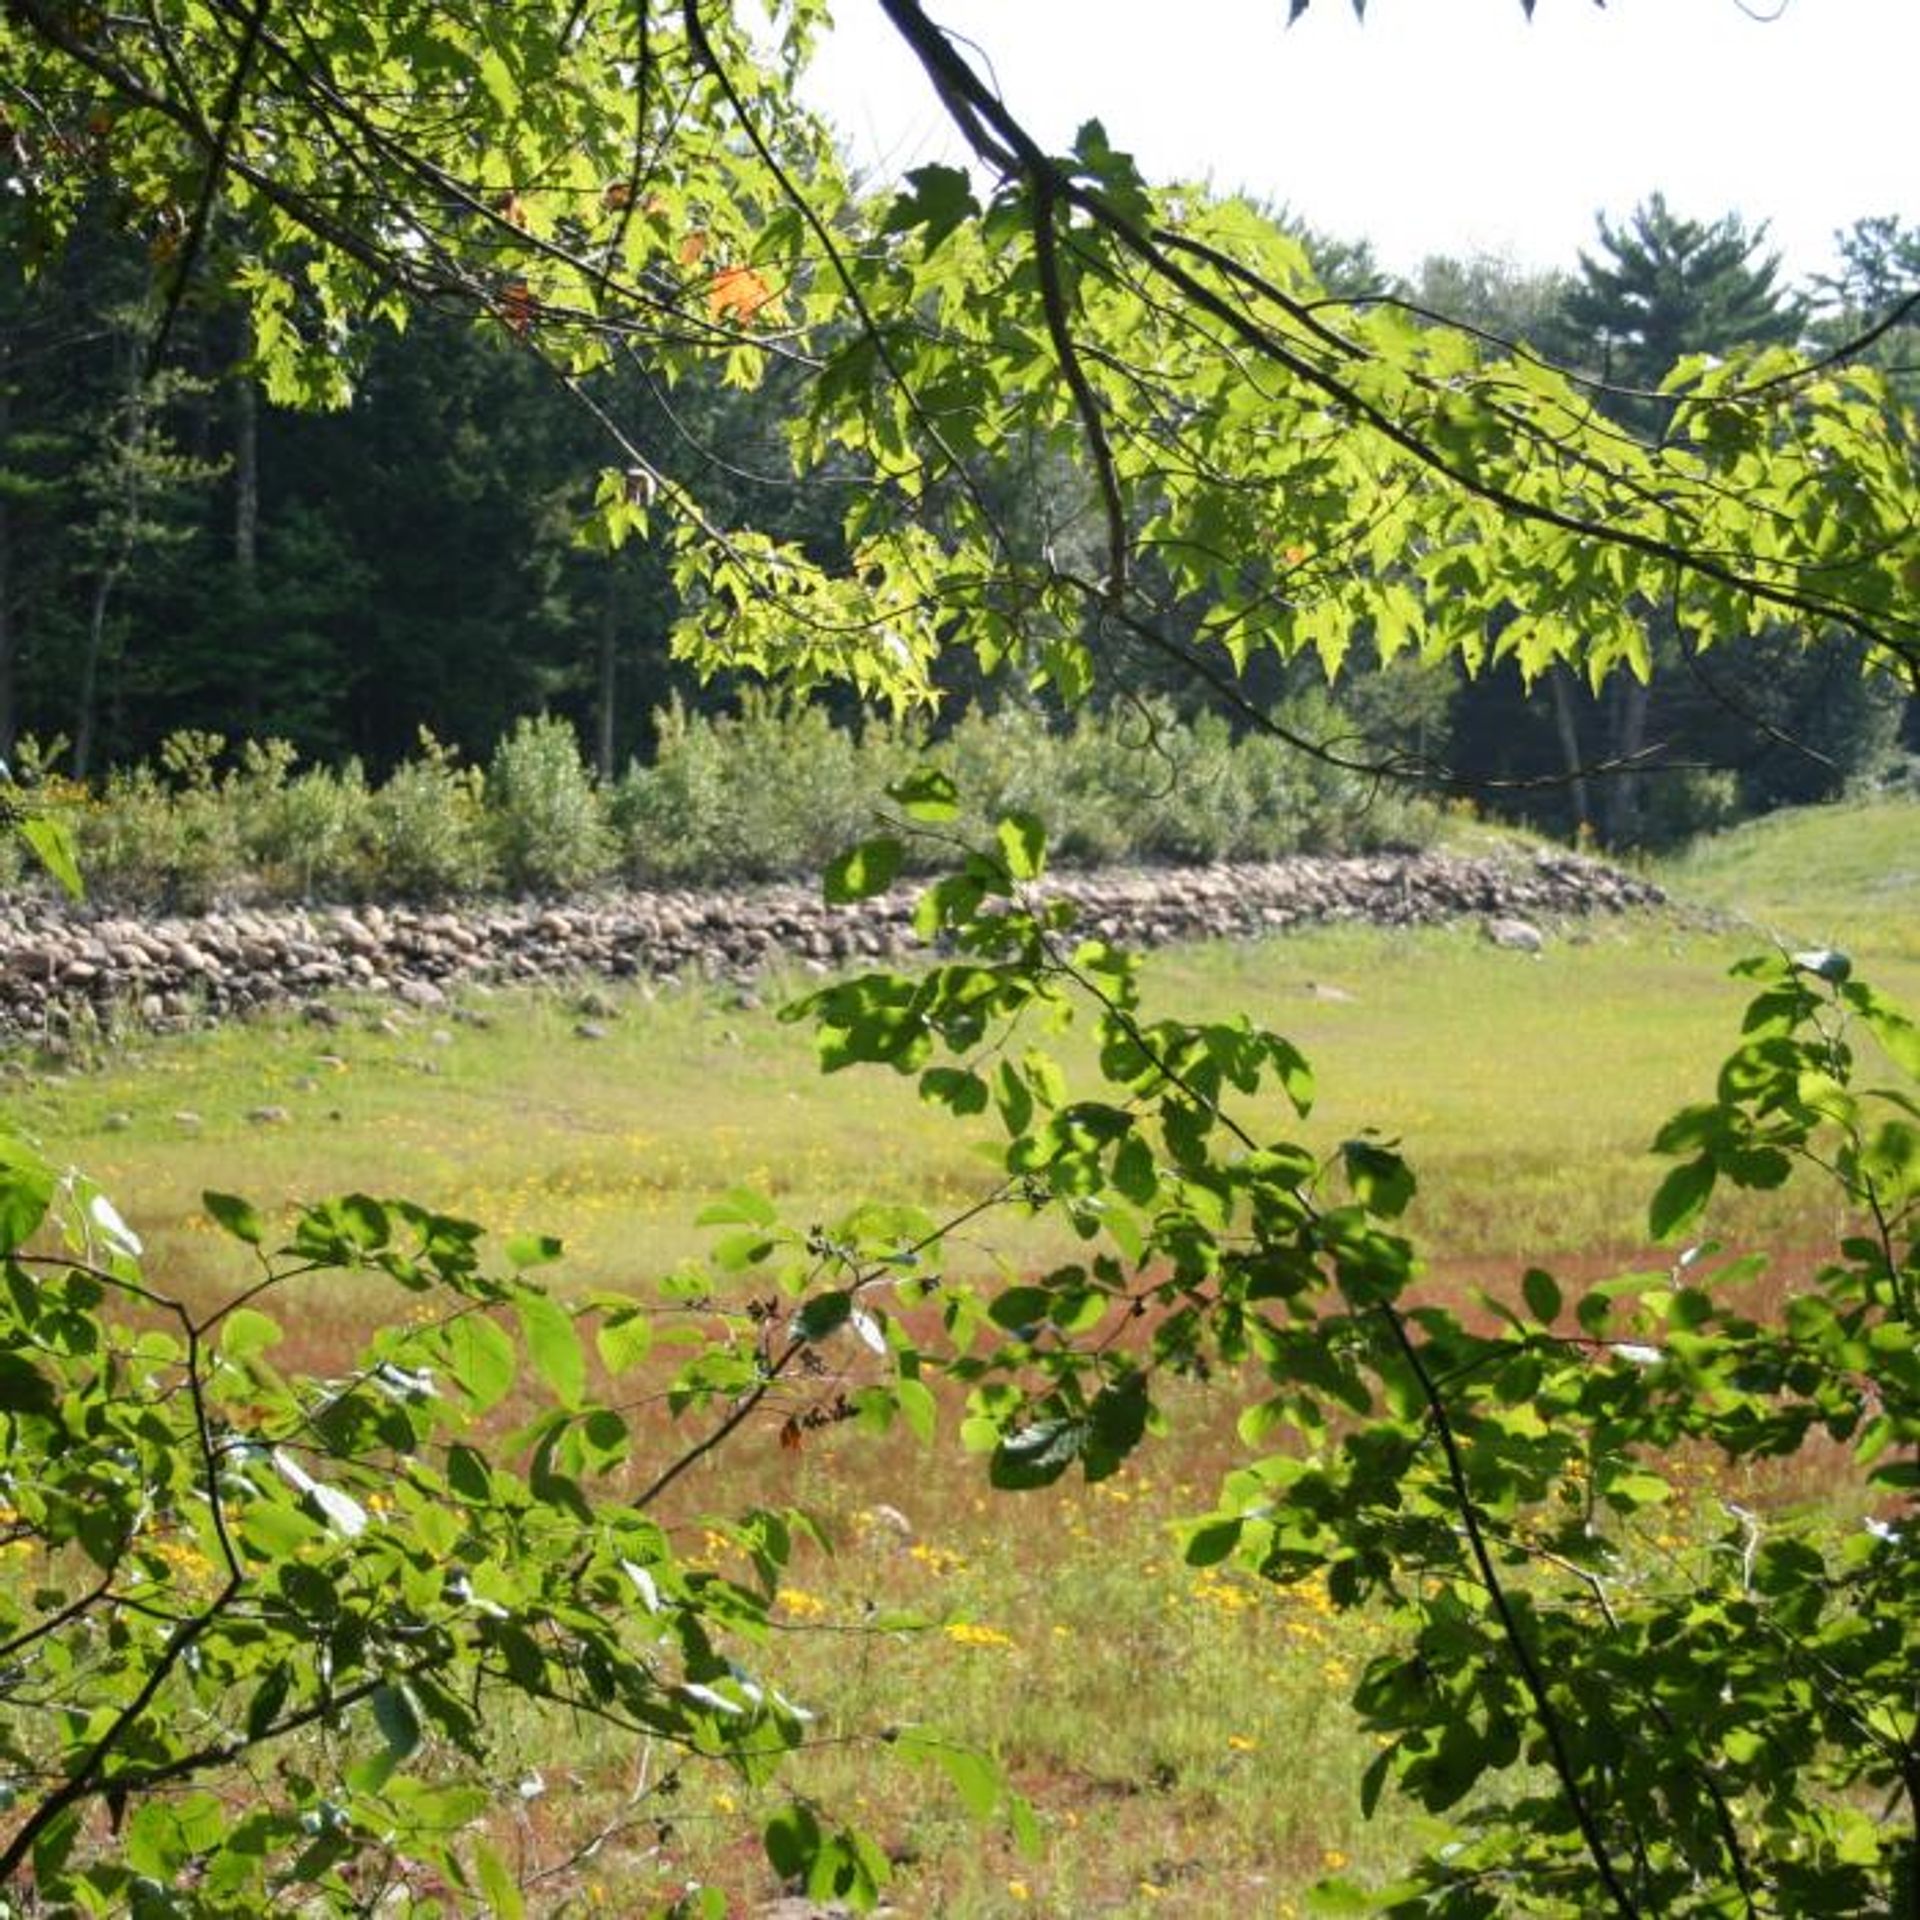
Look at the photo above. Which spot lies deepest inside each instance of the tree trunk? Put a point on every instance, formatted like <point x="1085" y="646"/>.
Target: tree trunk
<point x="8" y="638"/>
<point x="1558" y="681"/>
<point x="246" y="530"/>
<point x="607" y="664"/>
<point x="1627" y="735"/>
<point x="113" y="563"/>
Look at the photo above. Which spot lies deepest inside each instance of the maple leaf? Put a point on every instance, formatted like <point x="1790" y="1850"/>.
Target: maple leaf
<point x="737" y="293"/>
<point x="516" y="306"/>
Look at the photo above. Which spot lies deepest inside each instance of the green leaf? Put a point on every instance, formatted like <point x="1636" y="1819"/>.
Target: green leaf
<point x="235" y="1216"/>
<point x="26" y="1192"/>
<point x="1381" y="1180"/>
<point x="941" y="200"/>
<point x="1681" y="1197"/>
<point x="738" y="1207"/>
<point x="52" y="844"/>
<point x="974" y="1776"/>
<point x="918" y="1408"/>
<point x="958" y="1089"/>
<point x="246" y="1332"/>
<point x="1020" y="1308"/>
<point x="399" y="1724"/>
<point x="553" y="1344"/>
<point x="1898" y="1035"/>
<point x="23" y="1387"/>
<point x="1542" y="1295"/>
<point x="502" y="1891"/>
<point x="1135" y="1177"/>
<point x="268" y="1698"/>
<point x="1637" y="1488"/>
<point x="1339" y="1896"/>
<point x="1037" y="1455"/>
<point x="1374" y="1781"/>
<point x="1213" y="1540"/>
<point x="624" y="1340"/>
<point x="533" y="1250"/>
<point x="926" y="793"/>
<point x="735" y="1252"/>
<point x="482" y="1359"/>
<point x="824" y="1315"/>
<point x="863" y="871"/>
<point x="792" y="1840"/>
<point x="1023" y="846"/>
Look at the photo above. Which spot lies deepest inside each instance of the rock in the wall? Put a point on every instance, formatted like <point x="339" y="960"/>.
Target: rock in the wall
<point x="57" y="964"/>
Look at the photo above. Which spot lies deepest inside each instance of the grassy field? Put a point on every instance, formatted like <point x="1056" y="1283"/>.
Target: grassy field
<point x="1846" y="875"/>
<point x="1182" y="1733"/>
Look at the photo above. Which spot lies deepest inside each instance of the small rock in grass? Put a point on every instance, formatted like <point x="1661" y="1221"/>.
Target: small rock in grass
<point x="268" y="1116"/>
<point x="439" y="1037"/>
<point x="187" y="1118"/>
<point x="589" y="1030"/>
<point x="1518" y="936"/>
<point x="317" y="1013"/>
<point x="118" y="1121"/>
<point x="890" y="1519"/>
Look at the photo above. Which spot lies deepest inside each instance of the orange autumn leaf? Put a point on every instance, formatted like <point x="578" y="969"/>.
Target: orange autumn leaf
<point x="692" y="247"/>
<point x="737" y="293"/>
<point x="516" y="306"/>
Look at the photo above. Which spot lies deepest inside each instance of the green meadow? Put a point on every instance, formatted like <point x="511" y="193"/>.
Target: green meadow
<point x="1181" y="1732"/>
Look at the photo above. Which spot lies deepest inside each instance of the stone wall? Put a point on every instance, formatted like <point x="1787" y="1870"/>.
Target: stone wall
<point x="56" y="965"/>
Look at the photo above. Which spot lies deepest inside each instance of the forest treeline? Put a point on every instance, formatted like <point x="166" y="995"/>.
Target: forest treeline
<point x="182" y="549"/>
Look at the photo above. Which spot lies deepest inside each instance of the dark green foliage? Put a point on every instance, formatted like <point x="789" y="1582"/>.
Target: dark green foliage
<point x="1661" y="287"/>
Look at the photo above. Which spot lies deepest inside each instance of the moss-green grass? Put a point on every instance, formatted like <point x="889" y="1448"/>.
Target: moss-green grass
<point x="1524" y="1089"/>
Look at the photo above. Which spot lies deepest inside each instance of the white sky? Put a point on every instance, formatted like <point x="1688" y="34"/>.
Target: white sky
<point x="1444" y="125"/>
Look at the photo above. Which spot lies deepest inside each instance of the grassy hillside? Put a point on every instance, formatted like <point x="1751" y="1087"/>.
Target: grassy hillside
<point x="1846" y="875"/>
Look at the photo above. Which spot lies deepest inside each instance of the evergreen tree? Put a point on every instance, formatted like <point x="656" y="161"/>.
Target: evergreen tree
<point x="1660" y="288"/>
<point x="1657" y="289"/>
<point x="1878" y="283"/>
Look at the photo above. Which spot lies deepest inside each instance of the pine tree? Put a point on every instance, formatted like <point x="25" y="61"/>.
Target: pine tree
<point x="1660" y="288"/>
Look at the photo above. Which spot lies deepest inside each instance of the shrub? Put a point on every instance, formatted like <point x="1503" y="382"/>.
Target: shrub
<point x="426" y="831"/>
<point x="770" y="792"/>
<point x="170" y="842"/>
<point x="548" y="823"/>
<point x="307" y="835"/>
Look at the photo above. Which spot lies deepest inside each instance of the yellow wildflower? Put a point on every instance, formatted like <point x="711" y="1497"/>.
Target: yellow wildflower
<point x="968" y="1633"/>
